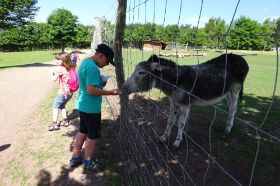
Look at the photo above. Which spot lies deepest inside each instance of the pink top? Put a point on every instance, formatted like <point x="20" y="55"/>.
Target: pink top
<point x="63" y="78"/>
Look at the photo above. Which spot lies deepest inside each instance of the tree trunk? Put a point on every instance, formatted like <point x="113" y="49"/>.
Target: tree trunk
<point x="62" y="48"/>
<point x="119" y="35"/>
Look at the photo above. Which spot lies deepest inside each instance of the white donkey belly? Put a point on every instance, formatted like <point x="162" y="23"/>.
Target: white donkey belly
<point x="201" y="103"/>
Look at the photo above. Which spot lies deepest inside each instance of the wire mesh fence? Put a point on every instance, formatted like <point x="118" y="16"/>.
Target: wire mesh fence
<point x="206" y="155"/>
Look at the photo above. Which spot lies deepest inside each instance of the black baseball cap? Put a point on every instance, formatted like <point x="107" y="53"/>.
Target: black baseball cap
<point x="107" y="51"/>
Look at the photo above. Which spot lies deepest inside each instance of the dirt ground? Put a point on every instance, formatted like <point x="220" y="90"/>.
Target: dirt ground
<point x="134" y="148"/>
<point x="22" y="90"/>
<point x="29" y="154"/>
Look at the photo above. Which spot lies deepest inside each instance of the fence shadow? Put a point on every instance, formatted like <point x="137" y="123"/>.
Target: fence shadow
<point x="4" y="147"/>
<point x="135" y="152"/>
<point x="108" y="158"/>
<point x="29" y="65"/>
<point x="235" y="152"/>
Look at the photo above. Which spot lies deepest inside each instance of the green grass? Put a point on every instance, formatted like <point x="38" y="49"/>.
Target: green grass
<point x="258" y="90"/>
<point x="53" y="152"/>
<point x="14" y="59"/>
<point x="17" y="172"/>
<point x="257" y="96"/>
<point x="258" y="87"/>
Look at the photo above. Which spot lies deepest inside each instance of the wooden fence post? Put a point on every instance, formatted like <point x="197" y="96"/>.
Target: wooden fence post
<point x="118" y="43"/>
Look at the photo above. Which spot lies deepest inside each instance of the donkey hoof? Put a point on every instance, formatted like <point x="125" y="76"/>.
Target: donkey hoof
<point x="174" y="148"/>
<point x="228" y="129"/>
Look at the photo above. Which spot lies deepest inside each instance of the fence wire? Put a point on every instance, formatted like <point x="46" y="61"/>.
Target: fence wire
<point x="146" y="160"/>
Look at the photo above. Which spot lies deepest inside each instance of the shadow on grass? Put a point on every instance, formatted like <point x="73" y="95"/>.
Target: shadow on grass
<point x="144" y="160"/>
<point x="45" y="178"/>
<point x="107" y="157"/>
<point x="4" y="147"/>
<point x="29" y="65"/>
<point x="235" y="152"/>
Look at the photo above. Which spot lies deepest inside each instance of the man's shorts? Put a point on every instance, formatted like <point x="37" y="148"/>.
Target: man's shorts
<point x="90" y="124"/>
<point x="60" y="101"/>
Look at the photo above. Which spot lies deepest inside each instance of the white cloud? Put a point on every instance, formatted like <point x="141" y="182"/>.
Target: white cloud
<point x="271" y="17"/>
<point x="194" y="20"/>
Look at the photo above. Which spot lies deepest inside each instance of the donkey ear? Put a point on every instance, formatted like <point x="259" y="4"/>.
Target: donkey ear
<point x="155" y="66"/>
<point x="153" y="58"/>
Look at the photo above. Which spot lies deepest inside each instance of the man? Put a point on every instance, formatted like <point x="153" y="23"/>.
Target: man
<point x="89" y="105"/>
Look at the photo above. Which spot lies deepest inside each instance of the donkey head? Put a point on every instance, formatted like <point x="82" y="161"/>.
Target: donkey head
<point x="144" y="76"/>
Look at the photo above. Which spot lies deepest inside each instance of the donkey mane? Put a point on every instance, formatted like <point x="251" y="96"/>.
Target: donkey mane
<point x="171" y="64"/>
<point x="162" y="61"/>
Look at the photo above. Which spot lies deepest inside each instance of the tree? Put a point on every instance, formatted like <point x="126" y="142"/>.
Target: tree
<point x="83" y="36"/>
<point x="268" y="28"/>
<point x="245" y="33"/>
<point x="108" y="32"/>
<point x="185" y="34"/>
<point x="171" y="33"/>
<point x="63" y="24"/>
<point x="16" y="13"/>
<point x="197" y="37"/>
<point x="215" y="29"/>
<point x="10" y="39"/>
<point x="136" y="33"/>
<point x="36" y="36"/>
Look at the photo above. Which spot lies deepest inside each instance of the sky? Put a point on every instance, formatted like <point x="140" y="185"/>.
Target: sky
<point x="154" y="11"/>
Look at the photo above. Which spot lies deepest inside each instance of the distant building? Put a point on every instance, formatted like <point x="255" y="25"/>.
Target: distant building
<point x="154" y="45"/>
<point x="274" y="49"/>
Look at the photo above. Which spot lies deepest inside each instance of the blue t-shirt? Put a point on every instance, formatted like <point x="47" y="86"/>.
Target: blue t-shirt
<point x="89" y="74"/>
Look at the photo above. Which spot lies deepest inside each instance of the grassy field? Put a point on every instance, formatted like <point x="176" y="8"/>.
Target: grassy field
<point x="258" y="87"/>
<point x="42" y="156"/>
<point x="13" y="59"/>
<point x="41" y="153"/>
<point x="258" y="91"/>
<point x="52" y="153"/>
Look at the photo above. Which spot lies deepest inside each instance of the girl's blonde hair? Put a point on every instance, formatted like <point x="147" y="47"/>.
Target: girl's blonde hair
<point x="66" y="60"/>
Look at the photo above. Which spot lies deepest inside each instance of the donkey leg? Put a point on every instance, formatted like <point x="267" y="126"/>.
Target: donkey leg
<point x="170" y="122"/>
<point x="233" y="99"/>
<point x="229" y="102"/>
<point x="184" y="115"/>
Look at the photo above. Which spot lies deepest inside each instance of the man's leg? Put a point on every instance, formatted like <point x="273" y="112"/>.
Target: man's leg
<point x="94" y="133"/>
<point x="78" y="144"/>
<point x="89" y="148"/>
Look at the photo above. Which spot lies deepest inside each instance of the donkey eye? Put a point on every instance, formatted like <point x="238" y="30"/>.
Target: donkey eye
<point x="141" y="73"/>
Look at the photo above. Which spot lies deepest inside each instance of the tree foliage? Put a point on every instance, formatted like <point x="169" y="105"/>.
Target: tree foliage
<point x="214" y="29"/>
<point x="63" y="30"/>
<point x="246" y="33"/>
<point x="16" y="13"/>
<point x="83" y="36"/>
<point x="63" y="24"/>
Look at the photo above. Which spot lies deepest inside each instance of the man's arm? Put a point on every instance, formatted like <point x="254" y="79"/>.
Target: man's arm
<point x="92" y="90"/>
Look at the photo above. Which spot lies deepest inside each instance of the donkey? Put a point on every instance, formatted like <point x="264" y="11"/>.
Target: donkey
<point x="186" y="86"/>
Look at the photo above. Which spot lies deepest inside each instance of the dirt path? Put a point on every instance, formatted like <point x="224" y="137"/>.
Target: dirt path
<point x="29" y="154"/>
<point x="22" y="90"/>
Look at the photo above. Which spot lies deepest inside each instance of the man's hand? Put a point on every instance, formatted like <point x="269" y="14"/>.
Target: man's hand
<point x="116" y="92"/>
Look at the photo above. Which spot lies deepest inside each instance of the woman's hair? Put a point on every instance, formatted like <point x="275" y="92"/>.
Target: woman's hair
<point x="66" y="60"/>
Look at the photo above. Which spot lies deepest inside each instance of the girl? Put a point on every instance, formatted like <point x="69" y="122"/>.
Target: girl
<point x="61" y="74"/>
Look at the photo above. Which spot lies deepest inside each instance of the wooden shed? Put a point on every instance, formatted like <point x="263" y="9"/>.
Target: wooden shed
<point x="154" y="45"/>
